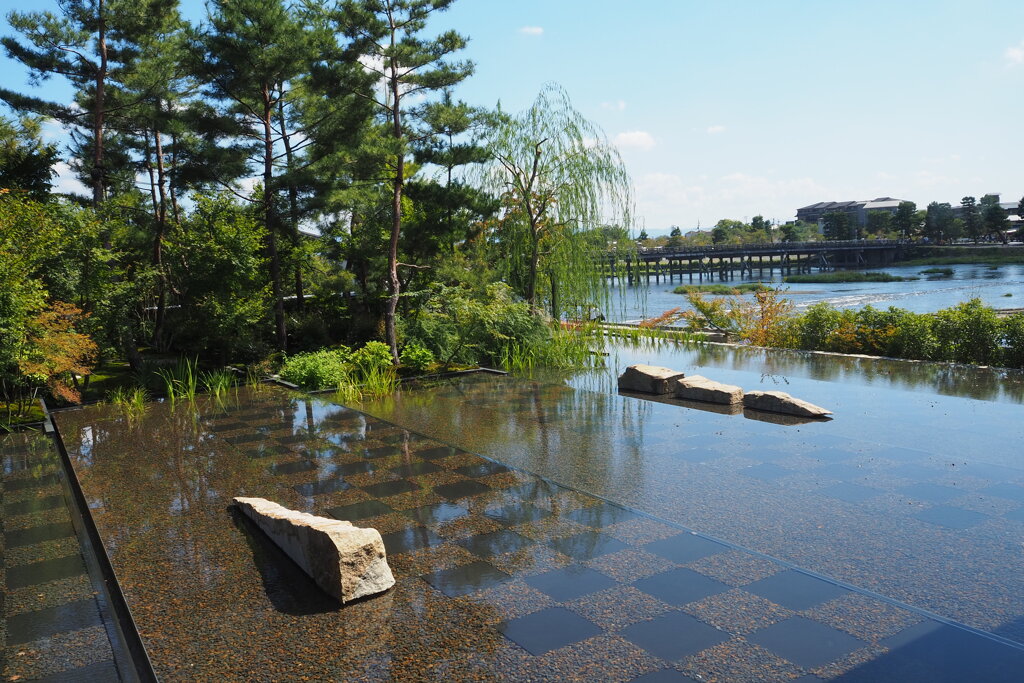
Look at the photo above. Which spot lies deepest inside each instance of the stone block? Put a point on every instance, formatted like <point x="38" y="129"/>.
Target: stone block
<point x="346" y="561"/>
<point x="649" y="379"/>
<point x="698" y="388"/>
<point x="781" y="402"/>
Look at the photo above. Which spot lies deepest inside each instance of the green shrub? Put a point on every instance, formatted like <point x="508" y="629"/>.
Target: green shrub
<point x="461" y="326"/>
<point x="1013" y="340"/>
<point x="416" y="357"/>
<point x="373" y="356"/>
<point x="968" y="333"/>
<point x="318" y="369"/>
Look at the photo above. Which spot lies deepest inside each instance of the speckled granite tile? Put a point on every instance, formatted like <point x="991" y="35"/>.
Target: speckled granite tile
<point x="427" y="560"/>
<point x="863" y="616"/>
<point x="737" y="611"/>
<point x="466" y="526"/>
<point x="738" y="661"/>
<point x="48" y="550"/>
<point x="509" y="600"/>
<point x="49" y="594"/>
<point x="533" y="560"/>
<point x="551" y="527"/>
<point x="630" y="565"/>
<point x="36" y="519"/>
<point x="606" y="658"/>
<point x="640" y="531"/>
<point x="58" y="653"/>
<point x="414" y="499"/>
<point x="617" y="607"/>
<point x="849" y="662"/>
<point x="735" y="567"/>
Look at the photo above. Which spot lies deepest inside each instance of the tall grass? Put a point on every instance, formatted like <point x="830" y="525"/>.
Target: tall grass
<point x="218" y="382"/>
<point x="375" y="382"/>
<point x="132" y="401"/>
<point x="181" y="382"/>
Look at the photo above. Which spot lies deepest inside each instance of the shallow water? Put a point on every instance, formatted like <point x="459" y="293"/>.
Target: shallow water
<point x="830" y="548"/>
<point x="927" y="294"/>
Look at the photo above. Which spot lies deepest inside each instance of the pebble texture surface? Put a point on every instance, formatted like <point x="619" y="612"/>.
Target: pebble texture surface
<point x="501" y="574"/>
<point x="53" y="625"/>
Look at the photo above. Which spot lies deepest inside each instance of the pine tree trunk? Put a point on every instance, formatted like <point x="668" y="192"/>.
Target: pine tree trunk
<point x="394" y="284"/>
<point x="281" y="331"/>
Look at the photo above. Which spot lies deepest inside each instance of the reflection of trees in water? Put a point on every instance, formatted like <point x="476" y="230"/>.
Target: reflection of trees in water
<point x="952" y="380"/>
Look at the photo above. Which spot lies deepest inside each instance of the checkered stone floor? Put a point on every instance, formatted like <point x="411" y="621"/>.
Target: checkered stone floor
<point x="53" y="626"/>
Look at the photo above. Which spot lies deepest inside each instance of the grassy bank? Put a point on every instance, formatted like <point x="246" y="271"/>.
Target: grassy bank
<point x="847" y="276"/>
<point x="723" y="290"/>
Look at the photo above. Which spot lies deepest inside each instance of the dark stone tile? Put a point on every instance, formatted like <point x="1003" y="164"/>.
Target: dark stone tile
<point x="1016" y="515"/>
<point x="34" y="505"/>
<point x="766" y="471"/>
<point x="795" y="590"/>
<point x="415" y="469"/>
<point x="318" y="488"/>
<point x="685" y="548"/>
<point x="38" y="534"/>
<point x="358" y="467"/>
<point x="47" y="570"/>
<point x="268" y="450"/>
<point x="680" y="586"/>
<point x="413" y="538"/>
<point x="901" y="454"/>
<point x="601" y="515"/>
<point x="482" y="470"/>
<point x="461" y="489"/>
<point x="843" y="471"/>
<point x="241" y="439"/>
<point x="674" y="635"/>
<point x="466" y="579"/>
<point x="324" y="453"/>
<point x="1006" y="490"/>
<point x="71" y="616"/>
<point x="931" y="493"/>
<point x="951" y="517"/>
<point x="806" y="643"/>
<point x="938" y="653"/>
<point x="435" y="453"/>
<point x="519" y="513"/>
<point x="851" y="493"/>
<point x="294" y="467"/>
<point x="917" y="472"/>
<point x="390" y="488"/>
<point x="33" y="483"/>
<point x="570" y="582"/>
<point x="437" y="514"/>
<point x="294" y="439"/>
<point x="537" y="490"/>
<point x="381" y="452"/>
<point x="548" y="629"/>
<point x="700" y="454"/>
<point x="357" y="511"/>
<point x="495" y="543"/>
<point x="587" y="546"/>
<point x="231" y="425"/>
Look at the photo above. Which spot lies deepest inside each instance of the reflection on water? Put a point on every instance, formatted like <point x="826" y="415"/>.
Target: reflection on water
<point x="1001" y="287"/>
<point x="914" y="490"/>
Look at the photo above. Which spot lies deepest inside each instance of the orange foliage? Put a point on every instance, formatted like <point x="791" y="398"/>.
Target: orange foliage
<point x="56" y="350"/>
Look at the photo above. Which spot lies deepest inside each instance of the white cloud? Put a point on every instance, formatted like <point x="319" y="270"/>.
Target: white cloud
<point x="617" y="105"/>
<point x="716" y="129"/>
<point x="66" y="182"/>
<point x="1015" y="54"/>
<point x="532" y="30"/>
<point x="634" y="139"/>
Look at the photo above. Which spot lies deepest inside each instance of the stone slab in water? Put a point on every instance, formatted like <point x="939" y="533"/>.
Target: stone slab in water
<point x="781" y="402"/>
<point x="346" y="561"/>
<point x="649" y="379"/>
<point x="698" y="388"/>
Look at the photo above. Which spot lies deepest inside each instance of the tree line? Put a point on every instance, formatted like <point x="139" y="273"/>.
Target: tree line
<point x="279" y="177"/>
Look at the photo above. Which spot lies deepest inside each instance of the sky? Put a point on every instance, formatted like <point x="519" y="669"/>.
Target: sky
<point x="735" y="108"/>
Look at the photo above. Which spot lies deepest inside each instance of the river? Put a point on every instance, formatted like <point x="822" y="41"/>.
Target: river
<point x="999" y="287"/>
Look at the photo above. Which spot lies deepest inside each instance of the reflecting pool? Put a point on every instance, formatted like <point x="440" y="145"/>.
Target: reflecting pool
<point x="549" y="528"/>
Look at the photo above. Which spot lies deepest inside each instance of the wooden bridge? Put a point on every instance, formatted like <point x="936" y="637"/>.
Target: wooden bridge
<point x="726" y="260"/>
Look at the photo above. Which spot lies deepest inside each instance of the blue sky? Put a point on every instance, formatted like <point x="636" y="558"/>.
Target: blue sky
<point x="731" y="109"/>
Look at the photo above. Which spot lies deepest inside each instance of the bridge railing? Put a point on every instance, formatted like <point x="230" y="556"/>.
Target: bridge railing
<point x="777" y="247"/>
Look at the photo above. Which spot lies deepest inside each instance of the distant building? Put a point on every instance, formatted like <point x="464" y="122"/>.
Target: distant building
<point x="858" y="210"/>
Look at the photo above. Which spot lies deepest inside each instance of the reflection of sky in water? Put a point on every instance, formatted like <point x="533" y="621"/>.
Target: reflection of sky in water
<point x="877" y="497"/>
<point x="923" y="295"/>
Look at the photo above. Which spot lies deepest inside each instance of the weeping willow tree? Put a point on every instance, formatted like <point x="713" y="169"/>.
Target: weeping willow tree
<point x="560" y="181"/>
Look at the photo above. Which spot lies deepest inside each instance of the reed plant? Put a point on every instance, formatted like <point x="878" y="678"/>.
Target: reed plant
<point x="132" y="401"/>
<point x="217" y="383"/>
